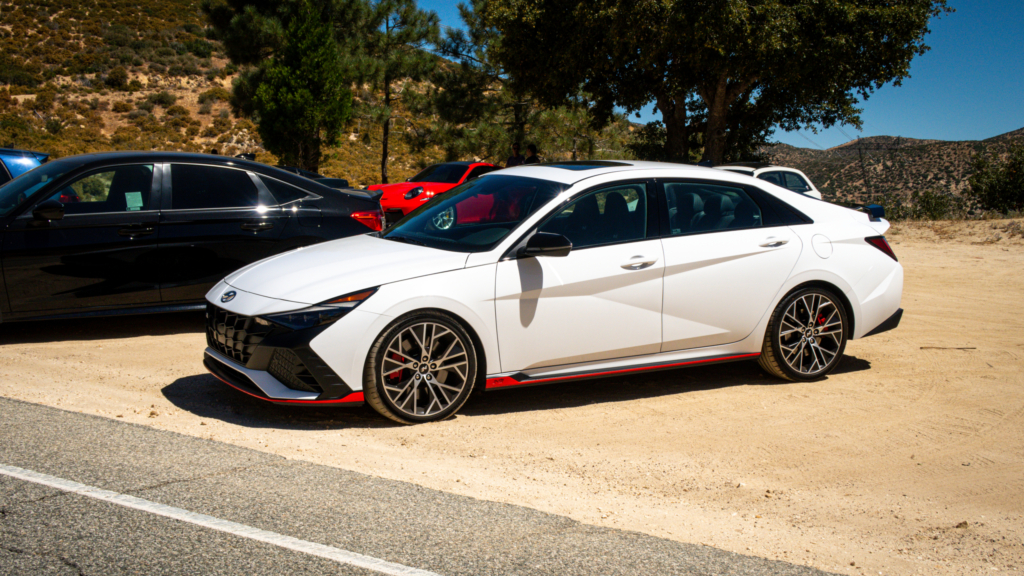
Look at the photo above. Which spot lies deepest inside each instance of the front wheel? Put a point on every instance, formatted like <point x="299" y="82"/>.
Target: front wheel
<point x="420" y="369"/>
<point x="806" y="336"/>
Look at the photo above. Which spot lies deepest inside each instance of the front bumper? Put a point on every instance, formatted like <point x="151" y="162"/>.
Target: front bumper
<point x="271" y="362"/>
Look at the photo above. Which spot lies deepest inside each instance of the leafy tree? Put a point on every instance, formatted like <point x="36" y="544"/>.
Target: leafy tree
<point x="476" y="112"/>
<point x="398" y="34"/>
<point x="999" y="185"/>
<point x="302" y="99"/>
<point x="299" y="64"/>
<point x="724" y="70"/>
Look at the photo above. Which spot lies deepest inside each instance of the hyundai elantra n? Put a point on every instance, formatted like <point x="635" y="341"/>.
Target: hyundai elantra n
<point x="556" y="272"/>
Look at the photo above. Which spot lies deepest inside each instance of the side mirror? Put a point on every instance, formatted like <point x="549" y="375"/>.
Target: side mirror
<point x="49" y="210"/>
<point x="545" y="244"/>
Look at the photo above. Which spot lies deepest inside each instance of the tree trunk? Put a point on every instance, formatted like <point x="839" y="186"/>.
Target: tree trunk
<point x="716" y="98"/>
<point x="387" y="132"/>
<point x="677" y="128"/>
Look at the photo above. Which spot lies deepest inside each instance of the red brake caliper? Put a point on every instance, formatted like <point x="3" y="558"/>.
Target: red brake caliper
<point x="821" y="322"/>
<point x="398" y="373"/>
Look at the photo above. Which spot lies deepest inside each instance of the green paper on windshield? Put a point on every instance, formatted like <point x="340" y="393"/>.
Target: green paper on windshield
<point x="134" y="200"/>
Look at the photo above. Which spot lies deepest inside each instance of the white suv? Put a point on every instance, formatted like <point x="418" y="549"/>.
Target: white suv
<point x="788" y="178"/>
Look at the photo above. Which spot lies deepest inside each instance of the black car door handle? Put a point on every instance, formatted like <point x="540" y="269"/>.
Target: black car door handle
<point x="135" y="231"/>
<point x="257" y="225"/>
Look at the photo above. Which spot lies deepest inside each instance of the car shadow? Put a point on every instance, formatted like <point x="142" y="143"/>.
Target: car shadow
<point x="107" y="328"/>
<point x="206" y="397"/>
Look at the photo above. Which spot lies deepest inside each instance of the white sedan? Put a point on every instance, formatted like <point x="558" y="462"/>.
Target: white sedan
<point x="555" y="272"/>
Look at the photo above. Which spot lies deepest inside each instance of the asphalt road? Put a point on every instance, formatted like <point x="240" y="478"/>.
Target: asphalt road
<point x="47" y="530"/>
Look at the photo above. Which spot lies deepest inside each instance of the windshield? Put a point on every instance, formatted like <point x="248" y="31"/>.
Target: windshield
<point x="475" y="216"/>
<point x="442" y="173"/>
<point x="15" y="192"/>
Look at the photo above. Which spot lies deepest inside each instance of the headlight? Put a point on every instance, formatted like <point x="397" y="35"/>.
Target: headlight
<point x="414" y="193"/>
<point x="318" y="315"/>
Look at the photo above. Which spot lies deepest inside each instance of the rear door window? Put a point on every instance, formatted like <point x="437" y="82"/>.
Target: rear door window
<point x="773" y="177"/>
<point x="196" y="187"/>
<point x="696" y="207"/>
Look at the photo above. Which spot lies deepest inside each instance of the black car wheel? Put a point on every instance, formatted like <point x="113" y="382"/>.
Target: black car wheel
<point x="806" y="336"/>
<point x="422" y="368"/>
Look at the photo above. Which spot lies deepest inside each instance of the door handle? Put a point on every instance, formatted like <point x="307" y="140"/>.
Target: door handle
<point x="257" y="225"/>
<point x="773" y="242"/>
<point x="639" y="263"/>
<point x="135" y="231"/>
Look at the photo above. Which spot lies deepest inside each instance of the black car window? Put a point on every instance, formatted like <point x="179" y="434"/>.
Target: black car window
<point x="773" y="177"/>
<point x="480" y="171"/>
<point x="606" y="216"/>
<point x="795" y="183"/>
<point x="195" y="187"/>
<point x="695" y="207"/>
<point x="282" y="193"/>
<point x="4" y="176"/>
<point x="441" y="173"/>
<point x="113" y="189"/>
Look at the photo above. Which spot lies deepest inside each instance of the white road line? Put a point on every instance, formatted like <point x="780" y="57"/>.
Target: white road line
<point x="234" y="528"/>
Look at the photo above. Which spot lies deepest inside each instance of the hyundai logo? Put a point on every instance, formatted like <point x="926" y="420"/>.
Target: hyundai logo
<point x="228" y="296"/>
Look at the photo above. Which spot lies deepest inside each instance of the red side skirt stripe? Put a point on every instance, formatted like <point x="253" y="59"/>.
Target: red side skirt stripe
<point x="503" y="381"/>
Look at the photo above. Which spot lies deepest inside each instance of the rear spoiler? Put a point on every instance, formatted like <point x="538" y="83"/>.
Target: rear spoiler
<point x="875" y="212"/>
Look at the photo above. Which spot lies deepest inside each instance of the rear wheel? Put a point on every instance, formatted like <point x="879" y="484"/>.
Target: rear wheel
<point x="806" y="336"/>
<point x="421" y="369"/>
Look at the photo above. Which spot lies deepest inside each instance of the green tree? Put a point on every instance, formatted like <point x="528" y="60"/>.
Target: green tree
<point x="999" y="185"/>
<point x="298" y="70"/>
<point x="722" y="73"/>
<point x="398" y="35"/>
<point x="476" y="112"/>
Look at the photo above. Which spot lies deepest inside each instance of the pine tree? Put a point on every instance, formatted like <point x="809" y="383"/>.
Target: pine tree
<point x="396" y="49"/>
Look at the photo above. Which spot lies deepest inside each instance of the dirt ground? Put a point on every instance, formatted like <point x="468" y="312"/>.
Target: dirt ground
<point x="908" y="460"/>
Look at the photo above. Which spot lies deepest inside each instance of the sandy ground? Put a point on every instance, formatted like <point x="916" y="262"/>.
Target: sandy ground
<point x="908" y="460"/>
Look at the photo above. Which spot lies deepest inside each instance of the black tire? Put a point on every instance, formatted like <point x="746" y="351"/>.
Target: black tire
<point x="805" y="355"/>
<point x="434" y="379"/>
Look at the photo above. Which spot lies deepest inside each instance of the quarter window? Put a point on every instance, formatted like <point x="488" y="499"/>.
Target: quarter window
<point x="773" y="177"/>
<point x="282" y="193"/>
<point x="795" y="183"/>
<point x="199" y="187"/>
<point x="607" y="216"/>
<point x="117" y="189"/>
<point x="695" y="207"/>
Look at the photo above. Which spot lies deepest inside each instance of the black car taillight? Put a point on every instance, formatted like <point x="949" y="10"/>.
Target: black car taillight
<point x="372" y="218"/>
<point x="880" y="243"/>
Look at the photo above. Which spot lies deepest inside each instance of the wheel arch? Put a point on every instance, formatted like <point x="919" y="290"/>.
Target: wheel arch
<point x="481" y="361"/>
<point x="826" y="285"/>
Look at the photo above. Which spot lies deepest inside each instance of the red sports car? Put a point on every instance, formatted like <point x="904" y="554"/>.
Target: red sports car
<point x="400" y="198"/>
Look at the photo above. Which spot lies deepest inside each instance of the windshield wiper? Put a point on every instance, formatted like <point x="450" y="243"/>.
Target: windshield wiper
<point x="406" y="239"/>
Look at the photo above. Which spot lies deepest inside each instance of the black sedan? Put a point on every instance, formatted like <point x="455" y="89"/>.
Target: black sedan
<point x="135" y="232"/>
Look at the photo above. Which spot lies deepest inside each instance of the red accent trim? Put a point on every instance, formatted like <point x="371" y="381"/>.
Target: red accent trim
<point x="371" y="218"/>
<point x="353" y="397"/>
<point x="503" y="381"/>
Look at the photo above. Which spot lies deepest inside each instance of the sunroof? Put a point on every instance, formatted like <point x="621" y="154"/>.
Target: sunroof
<point x="583" y="164"/>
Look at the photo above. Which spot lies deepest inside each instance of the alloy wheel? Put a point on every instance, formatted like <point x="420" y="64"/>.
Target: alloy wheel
<point x="811" y="334"/>
<point x="425" y="369"/>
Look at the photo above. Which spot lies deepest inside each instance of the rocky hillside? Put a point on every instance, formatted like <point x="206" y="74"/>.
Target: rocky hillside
<point x="868" y="168"/>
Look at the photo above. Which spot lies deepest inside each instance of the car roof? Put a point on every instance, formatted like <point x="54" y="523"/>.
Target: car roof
<point x="23" y="153"/>
<point x="751" y="165"/>
<point x="573" y="172"/>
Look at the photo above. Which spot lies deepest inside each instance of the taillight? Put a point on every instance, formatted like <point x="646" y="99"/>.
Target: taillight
<point x="373" y="219"/>
<point x="880" y="243"/>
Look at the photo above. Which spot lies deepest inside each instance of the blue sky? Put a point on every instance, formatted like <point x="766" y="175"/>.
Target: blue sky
<point x="969" y="86"/>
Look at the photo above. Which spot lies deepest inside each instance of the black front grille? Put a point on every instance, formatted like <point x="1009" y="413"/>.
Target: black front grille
<point x="286" y="366"/>
<point x="392" y="216"/>
<point x="233" y="335"/>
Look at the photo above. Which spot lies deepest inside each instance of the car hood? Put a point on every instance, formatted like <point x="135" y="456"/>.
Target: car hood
<point x="323" y="271"/>
<point x="395" y="193"/>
